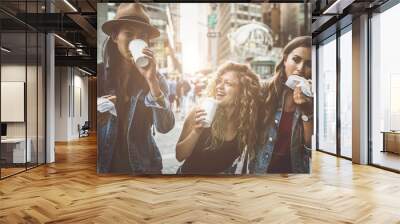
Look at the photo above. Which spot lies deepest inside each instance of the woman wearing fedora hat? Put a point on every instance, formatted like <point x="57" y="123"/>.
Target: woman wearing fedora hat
<point x="133" y="98"/>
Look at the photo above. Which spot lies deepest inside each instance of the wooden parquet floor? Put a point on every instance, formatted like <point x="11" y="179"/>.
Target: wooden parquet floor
<point x="70" y="191"/>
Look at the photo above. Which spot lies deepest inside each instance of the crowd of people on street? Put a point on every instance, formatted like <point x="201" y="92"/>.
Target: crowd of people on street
<point x="184" y="93"/>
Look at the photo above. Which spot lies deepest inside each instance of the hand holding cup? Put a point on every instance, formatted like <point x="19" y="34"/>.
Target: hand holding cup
<point x="149" y="72"/>
<point x="136" y="48"/>
<point x="204" y="114"/>
<point x="144" y="59"/>
<point x="199" y="120"/>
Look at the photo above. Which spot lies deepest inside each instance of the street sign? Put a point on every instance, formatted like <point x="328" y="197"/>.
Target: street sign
<point x="213" y="34"/>
<point x="212" y="20"/>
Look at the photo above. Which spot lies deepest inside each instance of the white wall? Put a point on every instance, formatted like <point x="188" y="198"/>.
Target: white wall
<point x="15" y="73"/>
<point x="69" y="85"/>
<point x="33" y="126"/>
<point x="61" y="103"/>
<point x="12" y="73"/>
<point x="79" y="117"/>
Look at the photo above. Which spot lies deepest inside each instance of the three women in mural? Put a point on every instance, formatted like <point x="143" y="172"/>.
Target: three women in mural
<point x="257" y="128"/>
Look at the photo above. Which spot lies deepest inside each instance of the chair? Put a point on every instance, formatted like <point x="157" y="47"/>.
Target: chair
<point x="84" y="130"/>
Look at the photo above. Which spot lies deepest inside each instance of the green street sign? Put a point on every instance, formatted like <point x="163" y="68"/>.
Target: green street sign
<point x="212" y="20"/>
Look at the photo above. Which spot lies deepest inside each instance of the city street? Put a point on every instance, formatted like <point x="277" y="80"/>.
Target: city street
<point x="166" y="143"/>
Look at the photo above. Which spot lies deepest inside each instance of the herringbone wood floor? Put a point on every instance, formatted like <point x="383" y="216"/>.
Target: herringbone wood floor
<point x="70" y="191"/>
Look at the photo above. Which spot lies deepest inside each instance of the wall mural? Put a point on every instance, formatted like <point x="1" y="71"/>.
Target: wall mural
<point x="204" y="88"/>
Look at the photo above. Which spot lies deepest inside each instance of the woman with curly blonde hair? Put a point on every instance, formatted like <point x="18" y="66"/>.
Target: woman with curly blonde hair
<point x="225" y="146"/>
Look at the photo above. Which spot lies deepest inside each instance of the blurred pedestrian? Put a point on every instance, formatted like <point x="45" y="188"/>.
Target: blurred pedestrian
<point x="184" y="89"/>
<point x="172" y="91"/>
<point x="178" y="94"/>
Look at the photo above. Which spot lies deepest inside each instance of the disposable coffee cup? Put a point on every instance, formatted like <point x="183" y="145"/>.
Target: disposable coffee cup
<point x="209" y="105"/>
<point x="136" y="48"/>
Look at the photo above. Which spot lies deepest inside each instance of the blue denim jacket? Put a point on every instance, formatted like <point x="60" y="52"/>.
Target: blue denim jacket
<point x="144" y="156"/>
<point x="299" y="153"/>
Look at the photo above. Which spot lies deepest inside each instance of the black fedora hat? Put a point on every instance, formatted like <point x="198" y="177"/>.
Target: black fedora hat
<point x="132" y="14"/>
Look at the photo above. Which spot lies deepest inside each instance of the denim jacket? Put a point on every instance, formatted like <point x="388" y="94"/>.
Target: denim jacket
<point x="144" y="156"/>
<point x="299" y="153"/>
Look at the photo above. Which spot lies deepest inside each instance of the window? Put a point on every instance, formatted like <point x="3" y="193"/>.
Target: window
<point x="327" y="96"/>
<point x="385" y="88"/>
<point x="346" y="93"/>
<point x="243" y="8"/>
<point x="22" y="64"/>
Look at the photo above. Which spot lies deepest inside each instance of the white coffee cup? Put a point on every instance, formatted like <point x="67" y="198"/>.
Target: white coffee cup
<point x="209" y="105"/>
<point x="136" y="48"/>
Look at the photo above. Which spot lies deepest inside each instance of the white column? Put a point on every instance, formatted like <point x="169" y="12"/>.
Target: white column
<point x="50" y="100"/>
<point x="50" y="92"/>
<point x="360" y="90"/>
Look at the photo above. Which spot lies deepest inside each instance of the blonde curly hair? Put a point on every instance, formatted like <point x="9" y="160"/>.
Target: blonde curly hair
<point x="245" y="107"/>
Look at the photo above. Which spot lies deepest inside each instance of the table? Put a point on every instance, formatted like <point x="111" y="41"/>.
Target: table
<point x="391" y="141"/>
<point x="13" y="150"/>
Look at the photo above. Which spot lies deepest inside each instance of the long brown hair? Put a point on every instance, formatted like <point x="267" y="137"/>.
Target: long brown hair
<point x="112" y="59"/>
<point x="245" y="109"/>
<point x="272" y="90"/>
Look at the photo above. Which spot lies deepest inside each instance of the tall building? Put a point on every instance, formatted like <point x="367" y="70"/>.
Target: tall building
<point x="176" y="21"/>
<point x="212" y="36"/>
<point x="271" y="16"/>
<point x="286" y="22"/>
<point x="291" y="25"/>
<point x="101" y="37"/>
<point x="203" y="40"/>
<point x="285" y="26"/>
<point x="230" y="17"/>
<point x="158" y="16"/>
<point x="173" y="43"/>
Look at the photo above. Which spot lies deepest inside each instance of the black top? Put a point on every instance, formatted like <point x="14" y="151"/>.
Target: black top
<point x="210" y="161"/>
<point x="142" y="121"/>
<point x="281" y="161"/>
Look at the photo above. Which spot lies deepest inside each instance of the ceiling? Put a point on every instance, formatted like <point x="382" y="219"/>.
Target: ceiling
<point x="74" y="22"/>
<point x="330" y="15"/>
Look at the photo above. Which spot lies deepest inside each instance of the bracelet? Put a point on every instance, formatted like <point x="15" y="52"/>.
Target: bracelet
<point x="158" y="98"/>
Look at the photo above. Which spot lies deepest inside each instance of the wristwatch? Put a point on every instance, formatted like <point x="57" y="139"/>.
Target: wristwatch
<point x="306" y="118"/>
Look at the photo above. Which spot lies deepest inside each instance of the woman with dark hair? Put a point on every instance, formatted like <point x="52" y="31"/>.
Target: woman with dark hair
<point x="132" y="98"/>
<point x="223" y="147"/>
<point x="285" y="117"/>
